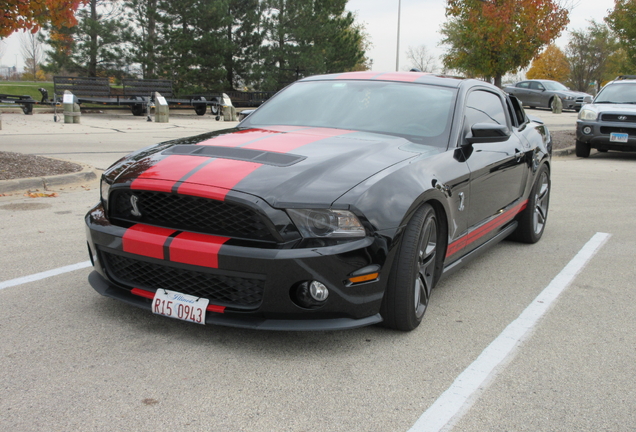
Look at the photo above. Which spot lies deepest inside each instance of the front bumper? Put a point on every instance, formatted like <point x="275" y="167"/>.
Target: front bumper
<point x="599" y="137"/>
<point x="258" y="283"/>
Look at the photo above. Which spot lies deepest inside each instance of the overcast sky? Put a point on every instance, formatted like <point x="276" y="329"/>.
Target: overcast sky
<point x="420" y="24"/>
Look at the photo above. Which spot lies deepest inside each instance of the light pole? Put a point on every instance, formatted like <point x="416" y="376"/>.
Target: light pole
<point x="397" y="54"/>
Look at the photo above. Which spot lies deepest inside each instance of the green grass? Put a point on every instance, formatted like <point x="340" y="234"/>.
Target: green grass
<point x="30" y="88"/>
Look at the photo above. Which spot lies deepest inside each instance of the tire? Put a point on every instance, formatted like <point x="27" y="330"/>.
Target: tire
<point x="416" y="270"/>
<point x="137" y="110"/>
<point x="200" y="109"/>
<point x="533" y="219"/>
<point x="214" y="109"/>
<point x="531" y="107"/>
<point x="583" y="149"/>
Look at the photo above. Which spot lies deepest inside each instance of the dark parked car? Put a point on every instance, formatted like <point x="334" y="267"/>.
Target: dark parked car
<point x="338" y="203"/>
<point x="609" y="122"/>
<point x="542" y="93"/>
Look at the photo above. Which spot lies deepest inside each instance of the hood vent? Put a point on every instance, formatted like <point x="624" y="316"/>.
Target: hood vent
<point x="236" y="153"/>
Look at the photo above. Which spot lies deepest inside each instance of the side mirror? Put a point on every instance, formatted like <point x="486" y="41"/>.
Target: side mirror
<point x="488" y="133"/>
<point x="243" y="114"/>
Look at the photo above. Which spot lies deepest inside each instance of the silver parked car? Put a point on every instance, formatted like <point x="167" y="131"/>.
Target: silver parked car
<point x="609" y="123"/>
<point x="542" y="93"/>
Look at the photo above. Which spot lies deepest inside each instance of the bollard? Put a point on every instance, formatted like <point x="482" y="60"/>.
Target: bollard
<point x="68" y="101"/>
<point x="557" y="105"/>
<point x="162" y="113"/>
<point x="229" y="113"/>
<point x="76" y="113"/>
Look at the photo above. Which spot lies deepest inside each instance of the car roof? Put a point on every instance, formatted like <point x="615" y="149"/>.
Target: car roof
<point x="406" y="77"/>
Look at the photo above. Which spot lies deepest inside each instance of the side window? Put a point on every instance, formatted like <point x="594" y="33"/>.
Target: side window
<point x="484" y="107"/>
<point x="523" y="85"/>
<point x="536" y="86"/>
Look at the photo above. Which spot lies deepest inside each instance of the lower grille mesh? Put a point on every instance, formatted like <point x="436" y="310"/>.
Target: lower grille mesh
<point x="222" y="290"/>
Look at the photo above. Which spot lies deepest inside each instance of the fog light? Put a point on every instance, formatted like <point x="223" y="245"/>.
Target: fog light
<point x="587" y="130"/>
<point x="318" y="291"/>
<point x="310" y="295"/>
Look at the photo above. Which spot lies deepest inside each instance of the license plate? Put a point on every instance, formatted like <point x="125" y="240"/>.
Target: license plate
<point x="618" y="137"/>
<point x="180" y="306"/>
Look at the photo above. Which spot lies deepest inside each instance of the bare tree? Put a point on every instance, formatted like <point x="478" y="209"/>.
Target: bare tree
<point x="31" y="49"/>
<point x="421" y="59"/>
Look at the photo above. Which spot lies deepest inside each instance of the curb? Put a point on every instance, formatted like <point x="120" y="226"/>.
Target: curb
<point x="563" y="152"/>
<point x="15" y="185"/>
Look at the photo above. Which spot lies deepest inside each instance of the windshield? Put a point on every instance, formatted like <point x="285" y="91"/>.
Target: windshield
<point x="617" y="93"/>
<point x="420" y="113"/>
<point x="552" y="85"/>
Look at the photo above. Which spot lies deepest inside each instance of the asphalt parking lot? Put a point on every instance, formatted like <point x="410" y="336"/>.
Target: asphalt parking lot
<point x="75" y="361"/>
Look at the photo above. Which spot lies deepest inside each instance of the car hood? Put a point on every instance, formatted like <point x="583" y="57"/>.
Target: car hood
<point x="571" y="93"/>
<point x="285" y="166"/>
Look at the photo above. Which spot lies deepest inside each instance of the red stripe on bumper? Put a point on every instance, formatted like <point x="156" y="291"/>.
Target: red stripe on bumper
<point x="150" y="295"/>
<point x="196" y="249"/>
<point x="143" y="293"/>
<point x="476" y="234"/>
<point x="146" y="240"/>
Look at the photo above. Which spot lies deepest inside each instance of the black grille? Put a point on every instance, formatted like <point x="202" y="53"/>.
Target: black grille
<point x="188" y="213"/>
<point x="222" y="290"/>
<point x="606" y="130"/>
<point x="615" y="118"/>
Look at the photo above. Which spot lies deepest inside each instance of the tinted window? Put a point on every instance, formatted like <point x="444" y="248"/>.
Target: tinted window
<point x="484" y="107"/>
<point x="536" y="86"/>
<point x="420" y="113"/>
<point x="524" y="84"/>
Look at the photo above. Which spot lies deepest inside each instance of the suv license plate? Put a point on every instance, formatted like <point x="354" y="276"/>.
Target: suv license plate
<point x="618" y="137"/>
<point x="180" y="306"/>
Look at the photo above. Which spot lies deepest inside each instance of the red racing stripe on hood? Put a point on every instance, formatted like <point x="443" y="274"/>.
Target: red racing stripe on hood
<point x="220" y="174"/>
<point x="146" y="240"/>
<point x="292" y="140"/>
<point x="238" y="138"/>
<point x="217" y="178"/>
<point x="168" y="170"/>
<point x="196" y="249"/>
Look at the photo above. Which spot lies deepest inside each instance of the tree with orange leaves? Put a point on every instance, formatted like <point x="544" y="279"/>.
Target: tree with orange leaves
<point x="32" y="14"/>
<point x="551" y="64"/>
<point x="489" y="38"/>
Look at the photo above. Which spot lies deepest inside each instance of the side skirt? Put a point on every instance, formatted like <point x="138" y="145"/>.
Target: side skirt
<point x="449" y="269"/>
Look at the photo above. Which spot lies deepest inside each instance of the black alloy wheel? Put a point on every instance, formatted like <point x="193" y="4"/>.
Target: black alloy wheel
<point x="415" y="272"/>
<point x="534" y="217"/>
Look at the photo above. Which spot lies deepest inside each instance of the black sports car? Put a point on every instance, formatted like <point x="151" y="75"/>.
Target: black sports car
<point x="339" y="203"/>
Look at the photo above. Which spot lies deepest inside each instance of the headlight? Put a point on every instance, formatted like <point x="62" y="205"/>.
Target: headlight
<point x="569" y="97"/>
<point x="104" y="189"/>
<point x="587" y="114"/>
<point x="323" y="223"/>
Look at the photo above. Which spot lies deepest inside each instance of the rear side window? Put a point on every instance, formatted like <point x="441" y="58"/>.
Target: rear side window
<point x="524" y="84"/>
<point x="536" y="86"/>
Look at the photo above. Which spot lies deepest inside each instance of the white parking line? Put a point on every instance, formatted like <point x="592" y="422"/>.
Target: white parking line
<point x="44" y="275"/>
<point x="459" y="397"/>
